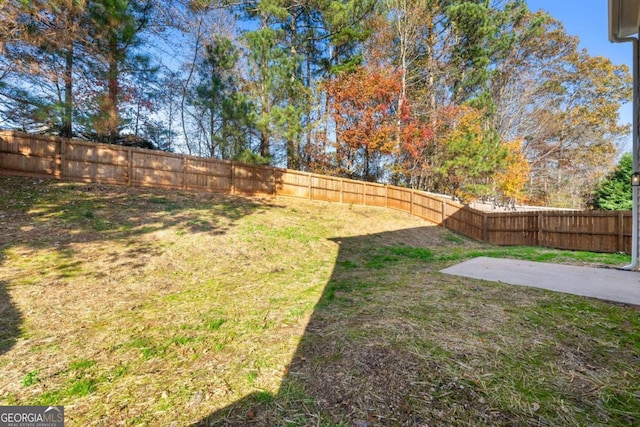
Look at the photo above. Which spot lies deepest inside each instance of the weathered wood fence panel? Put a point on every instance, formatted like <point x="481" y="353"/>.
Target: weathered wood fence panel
<point x="375" y="194"/>
<point x="326" y="188"/>
<point x="89" y="162"/>
<point x="21" y="154"/>
<point x="161" y="170"/>
<point x="509" y="229"/>
<point x="428" y="207"/>
<point x="249" y="179"/>
<point x="353" y="192"/>
<point x="400" y="199"/>
<point x="467" y="221"/>
<point x="207" y="175"/>
<point x="60" y="158"/>
<point x="294" y="184"/>
<point x="588" y="231"/>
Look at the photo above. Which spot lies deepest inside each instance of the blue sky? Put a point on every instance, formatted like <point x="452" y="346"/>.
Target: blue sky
<point x="588" y="19"/>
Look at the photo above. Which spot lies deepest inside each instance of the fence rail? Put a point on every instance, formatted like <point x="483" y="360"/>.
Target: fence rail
<point x="74" y="160"/>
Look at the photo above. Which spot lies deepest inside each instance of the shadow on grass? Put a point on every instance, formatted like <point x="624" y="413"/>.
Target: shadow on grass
<point x="10" y="320"/>
<point x="347" y="369"/>
<point x="393" y="342"/>
<point x="41" y="214"/>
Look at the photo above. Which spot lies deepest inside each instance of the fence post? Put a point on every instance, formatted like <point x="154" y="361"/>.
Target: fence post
<point x="273" y="181"/>
<point x="386" y="196"/>
<point x="485" y="227"/>
<point x="539" y="231"/>
<point x="232" y="188"/>
<point x="129" y="166"/>
<point x="620" y="245"/>
<point x="411" y="201"/>
<point x="364" y="193"/>
<point x="341" y="190"/>
<point x="185" y="164"/>
<point x="63" y="155"/>
<point x="310" y="187"/>
<point x="443" y="212"/>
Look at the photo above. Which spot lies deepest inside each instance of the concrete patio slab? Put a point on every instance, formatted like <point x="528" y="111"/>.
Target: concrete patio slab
<point x="603" y="283"/>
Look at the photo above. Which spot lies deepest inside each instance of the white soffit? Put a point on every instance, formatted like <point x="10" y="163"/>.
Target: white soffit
<point x="624" y="18"/>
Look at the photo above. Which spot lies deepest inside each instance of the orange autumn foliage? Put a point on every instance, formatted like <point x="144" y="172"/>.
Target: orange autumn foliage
<point x="364" y="106"/>
<point x="512" y="180"/>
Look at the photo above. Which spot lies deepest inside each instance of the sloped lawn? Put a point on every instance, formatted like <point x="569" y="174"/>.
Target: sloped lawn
<point x="147" y="307"/>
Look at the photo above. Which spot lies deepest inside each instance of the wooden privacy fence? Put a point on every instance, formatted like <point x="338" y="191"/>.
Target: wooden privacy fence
<point x="74" y="160"/>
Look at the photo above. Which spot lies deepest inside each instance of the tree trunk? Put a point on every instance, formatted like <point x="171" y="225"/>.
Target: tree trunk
<point x="264" y="144"/>
<point x="66" y="130"/>
<point x="292" y="154"/>
<point x="113" y="92"/>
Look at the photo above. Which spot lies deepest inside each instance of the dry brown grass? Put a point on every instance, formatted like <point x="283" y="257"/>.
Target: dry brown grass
<point x="145" y="307"/>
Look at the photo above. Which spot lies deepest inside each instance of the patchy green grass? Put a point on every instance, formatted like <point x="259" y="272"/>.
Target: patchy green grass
<point x="146" y="307"/>
<point x="535" y="254"/>
<point x="30" y="379"/>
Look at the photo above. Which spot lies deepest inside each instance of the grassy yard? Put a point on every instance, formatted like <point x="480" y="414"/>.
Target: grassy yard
<point x="151" y="308"/>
